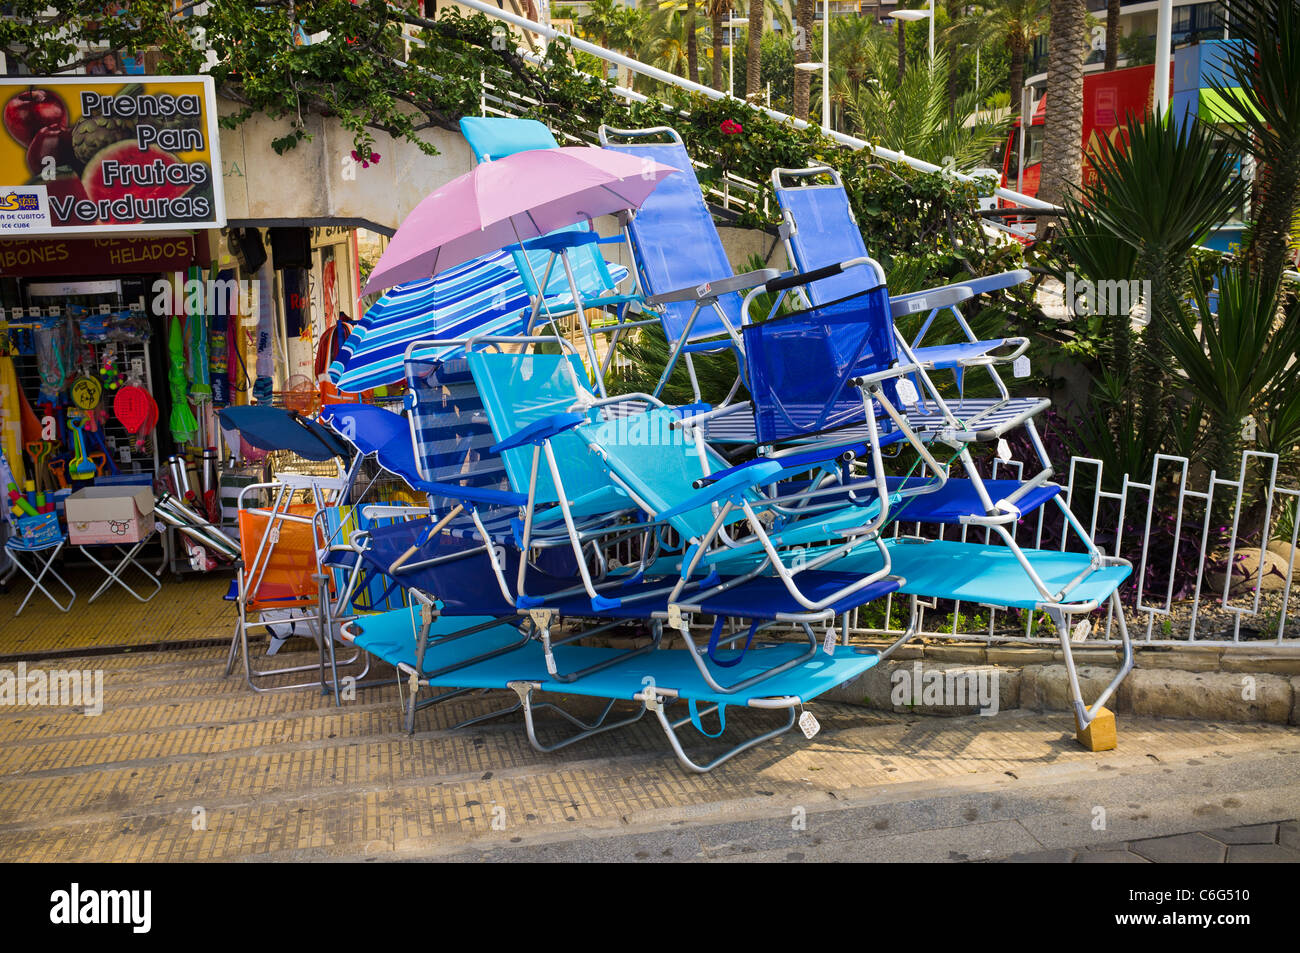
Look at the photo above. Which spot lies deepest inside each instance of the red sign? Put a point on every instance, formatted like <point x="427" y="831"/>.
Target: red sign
<point x="58" y="257"/>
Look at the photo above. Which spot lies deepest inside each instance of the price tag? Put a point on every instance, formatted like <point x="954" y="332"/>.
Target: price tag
<point x="137" y="368"/>
<point x="124" y="454"/>
<point x="33" y="312"/>
<point x="906" y="392"/>
<point x="1004" y="451"/>
<point x="1020" y="366"/>
<point x="808" y="724"/>
<point x="828" y="643"/>
<point x="1081" y="631"/>
<point x="104" y="309"/>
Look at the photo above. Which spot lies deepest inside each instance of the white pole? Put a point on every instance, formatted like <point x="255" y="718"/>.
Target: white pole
<point x="977" y="69"/>
<point x="932" y="34"/>
<point x="731" y="58"/>
<point x="1164" y="42"/>
<point x="826" y="66"/>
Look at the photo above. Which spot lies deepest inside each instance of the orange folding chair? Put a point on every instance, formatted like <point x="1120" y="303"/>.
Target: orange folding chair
<point x="279" y="570"/>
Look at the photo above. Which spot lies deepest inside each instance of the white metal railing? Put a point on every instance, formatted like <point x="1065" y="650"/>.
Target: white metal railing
<point x="1222" y="603"/>
<point x="636" y="66"/>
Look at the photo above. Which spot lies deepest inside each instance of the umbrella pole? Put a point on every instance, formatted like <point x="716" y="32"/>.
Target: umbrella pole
<point x="541" y="289"/>
<point x="582" y="321"/>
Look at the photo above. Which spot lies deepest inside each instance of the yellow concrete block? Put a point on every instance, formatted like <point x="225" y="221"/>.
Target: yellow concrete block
<point x="1100" y="734"/>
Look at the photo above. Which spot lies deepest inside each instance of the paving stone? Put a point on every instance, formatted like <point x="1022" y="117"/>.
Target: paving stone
<point x="1109" y="857"/>
<point x="1059" y="856"/>
<point x="1181" y="849"/>
<point x="1288" y="834"/>
<point x="1253" y="834"/>
<point x="1262" y="854"/>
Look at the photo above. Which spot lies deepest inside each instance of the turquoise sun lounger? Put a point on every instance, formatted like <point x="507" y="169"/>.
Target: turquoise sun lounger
<point x="653" y="682"/>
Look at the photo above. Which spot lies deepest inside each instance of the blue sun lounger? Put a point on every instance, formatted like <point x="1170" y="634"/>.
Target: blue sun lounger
<point x="653" y="682"/>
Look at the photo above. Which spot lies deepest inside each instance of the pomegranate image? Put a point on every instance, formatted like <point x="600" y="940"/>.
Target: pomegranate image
<point x="50" y="142"/>
<point x="32" y="110"/>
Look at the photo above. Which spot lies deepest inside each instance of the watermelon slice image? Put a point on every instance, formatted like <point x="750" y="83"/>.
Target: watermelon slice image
<point x="124" y="184"/>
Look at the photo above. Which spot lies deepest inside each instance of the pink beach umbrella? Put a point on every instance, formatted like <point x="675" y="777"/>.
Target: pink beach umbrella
<point x="500" y="203"/>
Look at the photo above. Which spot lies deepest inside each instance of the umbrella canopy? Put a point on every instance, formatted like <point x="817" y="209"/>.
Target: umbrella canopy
<point x="497" y="204"/>
<point x="483" y="296"/>
<point x="273" y="428"/>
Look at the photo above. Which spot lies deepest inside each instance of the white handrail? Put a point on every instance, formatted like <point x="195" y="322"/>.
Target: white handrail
<point x="662" y="76"/>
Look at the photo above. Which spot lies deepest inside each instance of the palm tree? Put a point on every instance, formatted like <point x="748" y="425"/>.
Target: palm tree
<point x="754" y="53"/>
<point x="717" y="10"/>
<point x="669" y="35"/>
<point x="1112" y="34"/>
<point x="1067" y="43"/>
<point x="600" y="20"/>
<point x="1016" y="22"/>
<point x="914" y="117"/>
<point x="802" y="41"/>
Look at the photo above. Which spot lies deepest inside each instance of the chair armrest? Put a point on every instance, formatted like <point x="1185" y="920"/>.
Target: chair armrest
<point x="757" y="473"/>
<point x="476" y="495"/>
<point x="540" y="431"/>
<point x="715" y="289"/>
<point x="946" y="296"/>
<point x="790" y="465"/>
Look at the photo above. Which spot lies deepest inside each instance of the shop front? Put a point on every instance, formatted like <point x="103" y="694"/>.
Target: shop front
<point x="111" y="206"/>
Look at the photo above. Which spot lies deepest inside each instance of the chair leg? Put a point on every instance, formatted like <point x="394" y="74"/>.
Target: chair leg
<point x="46" y="568"/>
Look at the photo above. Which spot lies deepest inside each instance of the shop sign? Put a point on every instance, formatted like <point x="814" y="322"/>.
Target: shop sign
<point x="99" y="155"/>
<point x="98" y="256"/>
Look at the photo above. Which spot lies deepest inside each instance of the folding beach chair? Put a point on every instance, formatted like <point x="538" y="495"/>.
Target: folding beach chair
<point x="681" y="266"/>
<point x="819" y="230"/>
<point x="279" y="581"/>
<point x="583" y="280"/>
<point x="44" y="553"/>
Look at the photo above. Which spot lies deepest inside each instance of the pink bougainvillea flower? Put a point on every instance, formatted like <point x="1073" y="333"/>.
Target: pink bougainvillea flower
<point x="730" y="127"/>
<point x="366" y="163"/>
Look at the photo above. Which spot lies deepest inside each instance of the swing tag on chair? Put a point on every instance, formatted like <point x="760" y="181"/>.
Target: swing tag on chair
<point x="1020" y="366"/>
<point x="808" y="724"/>
<point x="828" y="642"/>
<point x="906" y="391"/>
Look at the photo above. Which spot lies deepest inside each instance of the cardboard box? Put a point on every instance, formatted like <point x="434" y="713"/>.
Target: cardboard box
<point x="109" y="514"/>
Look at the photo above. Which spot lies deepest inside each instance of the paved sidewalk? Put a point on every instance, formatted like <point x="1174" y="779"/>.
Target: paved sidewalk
<point x="185" y="765"/>
<point x="1251" y="844"/>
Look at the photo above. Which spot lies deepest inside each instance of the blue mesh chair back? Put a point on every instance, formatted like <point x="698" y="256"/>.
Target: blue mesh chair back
<point x="521" y="389"/>
<point x="677" y="245"/>
<point x="799" y="366"/>
<point x="656" y="461"/>
<point x="449" y="428"/>
<point x="825" y="233"/>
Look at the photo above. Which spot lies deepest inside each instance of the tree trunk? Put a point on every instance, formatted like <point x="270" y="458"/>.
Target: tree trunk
<point x="802" y="41"/>
<point x="950" y="44"/>
<point x="902" y="51"/>
<point x="1016" y="79"/>
<point x="1112" y="34"/>
<point x="692" y="45"/>
<point x="1063" y="131"/>
<point x="753" y="56"/>
<point x="717" y="48"/>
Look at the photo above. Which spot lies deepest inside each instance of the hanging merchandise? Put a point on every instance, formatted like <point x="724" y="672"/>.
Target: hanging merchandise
<point x="87" y="392"/>
<point x="218" y="348"/>
<point x="297" y="314"/>
<point x="80" y="467"/>
<point x="111" y="374"/>
<point x="196" y="343"/>
<point x="182" y="424"/>
<point x="263" y="384"/>
<point x="50" y="362"/>
<point x="11" y="418"/>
